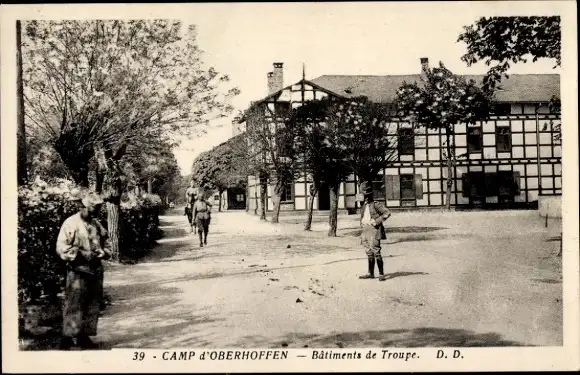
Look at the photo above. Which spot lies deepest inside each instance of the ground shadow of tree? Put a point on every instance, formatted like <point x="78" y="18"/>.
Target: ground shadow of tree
<point x="396" y="338"/>
<point x="405" y="230"/>
<point x="139" y="315"/>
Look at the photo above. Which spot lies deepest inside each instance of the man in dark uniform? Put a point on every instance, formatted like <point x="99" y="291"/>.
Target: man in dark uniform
<point x="373" y="215"/>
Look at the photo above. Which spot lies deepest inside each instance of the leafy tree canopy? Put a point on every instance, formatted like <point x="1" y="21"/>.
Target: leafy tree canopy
<point x="222" y="167"/>
<point x="109" y="84"/>
<point x="443" y="100"/>
<point x="503" y="41"/>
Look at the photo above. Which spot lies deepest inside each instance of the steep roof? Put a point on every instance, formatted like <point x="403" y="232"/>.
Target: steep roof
<point x="383" y="89"/>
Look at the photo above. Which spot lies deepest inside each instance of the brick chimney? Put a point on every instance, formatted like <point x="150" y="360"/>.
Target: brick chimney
<point x="278" y="78"/>
<point x="424" y="64"/>
<point x="270" y="82"/>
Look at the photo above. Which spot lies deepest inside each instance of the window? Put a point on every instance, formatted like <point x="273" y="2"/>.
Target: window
<point x="502" y="109"/>
<point x="407" y="186"/>
<point x="240" y="197"/>
<point x="474" y="184"/>
<point x="406" y="141"/>
<point x="480" y="184"/>
<point x="284" y="142"/>
<point x="378" y="190"/>
<point x="281" y="109"/>
<point x="474" y="139"/>
<point x="503" y="138"/>
<point x="286" y="195"/>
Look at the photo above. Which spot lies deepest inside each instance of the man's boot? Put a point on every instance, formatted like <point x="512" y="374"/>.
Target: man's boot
<point x="380" y="267"/>
<point x="67" y="343"/>
<point x="200" y="239"/>
<point x="371" y="274"/>
<point x="86" y="343"/>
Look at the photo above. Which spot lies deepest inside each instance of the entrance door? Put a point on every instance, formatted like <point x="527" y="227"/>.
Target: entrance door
<point x="323" y="198"/>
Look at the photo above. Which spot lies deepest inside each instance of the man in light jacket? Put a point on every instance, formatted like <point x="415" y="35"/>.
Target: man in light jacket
<point x="373" y="215"/>
<point x="190" y="197"/>
<point x="82" y="244"/>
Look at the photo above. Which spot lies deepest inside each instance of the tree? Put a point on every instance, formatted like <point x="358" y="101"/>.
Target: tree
<point x="22" y="168"/>
<point x="442" y="101"/>
<point x="94" y="88"/>
<point x="321" y="156"/>
<point x="504" y="41"/>
<point x="509" y="40"/>
<point x="341" y="137"/>
<point x="222" y="167"/>
<point x="153" y="168"/>
<point x="273" y="151"/>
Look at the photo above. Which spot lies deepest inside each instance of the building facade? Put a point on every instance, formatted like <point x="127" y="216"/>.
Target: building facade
<point x="506" y="161"/>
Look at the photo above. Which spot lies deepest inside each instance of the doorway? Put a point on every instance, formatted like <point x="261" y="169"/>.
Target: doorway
<point x="323" y="198"/>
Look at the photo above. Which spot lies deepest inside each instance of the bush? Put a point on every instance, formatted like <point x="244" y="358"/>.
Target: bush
<point x="42" y="209"/>
<point x="139" y="225"/>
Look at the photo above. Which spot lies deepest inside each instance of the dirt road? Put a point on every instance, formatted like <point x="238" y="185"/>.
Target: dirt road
<point x="454" y="279"/>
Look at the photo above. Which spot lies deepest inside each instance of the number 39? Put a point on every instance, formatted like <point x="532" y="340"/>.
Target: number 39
<point x="138" y="356"/>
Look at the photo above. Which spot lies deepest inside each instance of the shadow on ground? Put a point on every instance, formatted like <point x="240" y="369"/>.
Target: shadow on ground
<point x="413" y="230"/>
<point x="394" y="275"/>
<point x="396" y="338"/>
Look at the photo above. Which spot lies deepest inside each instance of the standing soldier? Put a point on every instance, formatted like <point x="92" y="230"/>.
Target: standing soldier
<point x="190" y="197"/>
<point x="373" y="216"/>
<point x="202" y="217"/>
<point x="82" y="244"/>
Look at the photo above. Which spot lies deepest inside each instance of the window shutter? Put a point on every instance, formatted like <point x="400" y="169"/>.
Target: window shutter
<point x="392" y="187"/>
<point x="418" y="186"/>
<point x="465" y="183"/>
<point x="517" y="183"/>
<point x="389" y="187"/>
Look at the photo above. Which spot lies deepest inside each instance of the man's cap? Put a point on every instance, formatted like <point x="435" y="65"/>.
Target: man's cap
<point x="92" y="199"/>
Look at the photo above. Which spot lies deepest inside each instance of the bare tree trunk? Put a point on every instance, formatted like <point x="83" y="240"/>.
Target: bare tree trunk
<point x="99" y="180"/>
<point x="112" y="194"/>
<point x="149" y="186"/>
<point x="276" y="197"/>
<point x="308" y="225"/>
<point x="220" y="200"/>
<point x="449" y="171"/>
<point x="333" y="216"/>
<point x="22" y="170"/>
<point x="113" y="221"/>
<point x="263" y="197"/>
<point x="256" y="202"/>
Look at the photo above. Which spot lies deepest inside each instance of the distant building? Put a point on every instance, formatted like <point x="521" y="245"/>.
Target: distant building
<point x="507" y="161"/>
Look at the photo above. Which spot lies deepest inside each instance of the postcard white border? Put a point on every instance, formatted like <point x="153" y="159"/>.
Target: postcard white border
<point x="475" y="359"/>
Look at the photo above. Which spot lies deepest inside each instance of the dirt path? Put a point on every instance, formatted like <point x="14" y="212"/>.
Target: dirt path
<point x="450" y="284"/>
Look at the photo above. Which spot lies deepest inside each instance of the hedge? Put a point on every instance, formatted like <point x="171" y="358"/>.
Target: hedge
<point x="42" y="208"/>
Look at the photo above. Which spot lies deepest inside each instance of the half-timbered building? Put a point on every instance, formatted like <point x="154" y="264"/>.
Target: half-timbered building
<point x="506" y="161"/>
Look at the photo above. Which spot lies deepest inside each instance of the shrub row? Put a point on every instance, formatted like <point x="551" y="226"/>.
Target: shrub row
<point x="42" y="209"/>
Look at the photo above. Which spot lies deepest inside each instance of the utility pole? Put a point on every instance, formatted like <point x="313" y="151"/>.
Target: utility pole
<point x="538" y="149"/>
<point x="21" y="132"/>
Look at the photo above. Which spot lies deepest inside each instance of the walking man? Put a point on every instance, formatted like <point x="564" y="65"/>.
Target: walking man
<point x="202" y="217"/>
<point x="373" y="215"/>
<point x="190" y="197"/>
<point x="82" y="245"/>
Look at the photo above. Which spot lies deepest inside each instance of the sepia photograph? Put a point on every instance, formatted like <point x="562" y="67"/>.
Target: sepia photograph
<point x="349" y="180"/>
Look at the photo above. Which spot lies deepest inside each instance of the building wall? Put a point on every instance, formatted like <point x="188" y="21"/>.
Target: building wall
<point x="534" y="159"/>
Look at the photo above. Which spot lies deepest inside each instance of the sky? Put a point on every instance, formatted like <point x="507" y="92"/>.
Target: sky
<point x="243" y="40"/>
